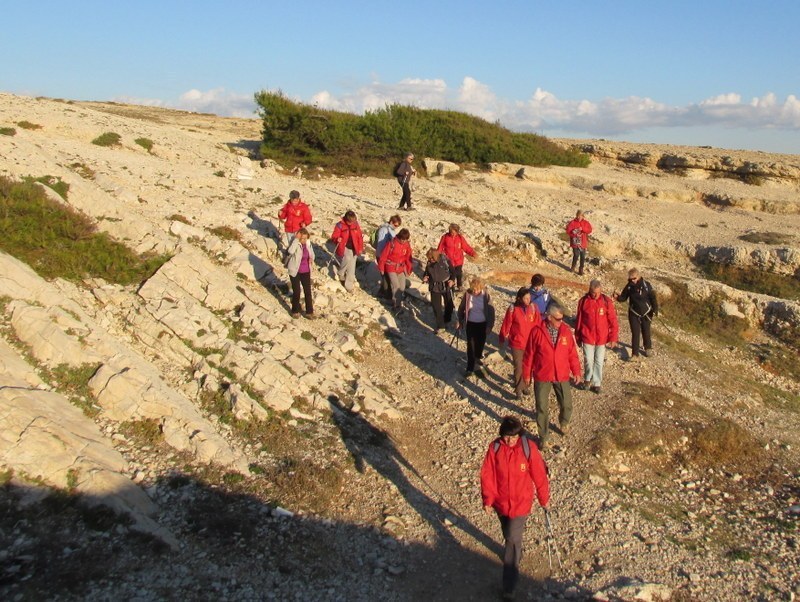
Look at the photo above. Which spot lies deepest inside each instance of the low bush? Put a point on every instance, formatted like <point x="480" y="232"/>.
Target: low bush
<point x="753" y="280"/>
<point x="145" y="143"/>
<point x="107" y="139"/>
<point x="83" y="170"/>
<point x="27" y="125"/>
<point x="767" y="238"/>
<point x="6" y="131"/>
<point x="226" y="233"/>
<point x="56" y="184"/>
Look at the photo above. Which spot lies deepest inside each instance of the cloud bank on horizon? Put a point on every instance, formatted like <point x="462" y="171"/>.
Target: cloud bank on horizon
<point x="541" y="112"/>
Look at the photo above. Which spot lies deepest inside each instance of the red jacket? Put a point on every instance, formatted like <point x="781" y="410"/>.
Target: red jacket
<point x="517" y="325"/>
<point x="343" y="232"/>
<point x="509" y="479"/>
<point x="454" y="246"/>
<point x="544" y="362"/>
<point x="579" y="229"/>
<point x="597" y="321"/>
<point x="296" y="216"/>
<point x="396" y="257"/>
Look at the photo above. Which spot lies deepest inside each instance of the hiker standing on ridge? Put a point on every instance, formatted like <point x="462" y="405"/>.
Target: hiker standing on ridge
<point x="476" y="316"/>
<point x="520" y="318"/>
<point x="642" y="308"/>
<point x="596" y="328"/>
<point x="294" y="215"/>
<point x="440" y="284"/>
<point x="578" y="231"/>
<point x="395" y="261"/>
<point x="513" y="471"/>
<point x="404" y="172"/>
<point x="540" y="296"/>
<point x="300" y="260"/>
<point x="454" y="245"/>
<point x="384" y="235"/>
<point x="349" y="245"/>
<point x="551" y="361"/>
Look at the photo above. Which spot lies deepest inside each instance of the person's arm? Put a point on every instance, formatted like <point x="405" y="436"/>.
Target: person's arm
<point x="489" y="478"/>
<point x="537" y="469"/>
<point x="613" y="323"/>
<point x="587" y="227"/>
<point x="467" y="249"/>
<point x="527" y="357"/>
<point x="505" y="327"/>
<point x="626" y="291"/>
<point x="579" y="320"/>
<point x="574" y="361"/>
<point x="409" y="263"/>
<point x="307" y="219"/>
<point x="384" y="258"/>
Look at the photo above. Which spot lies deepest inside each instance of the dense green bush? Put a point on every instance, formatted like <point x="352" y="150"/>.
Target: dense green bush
<point x="145" y="143"/>
<point x="375" y="142"/>
<point x="6" y="131"/>
<point x="107" y="139"/>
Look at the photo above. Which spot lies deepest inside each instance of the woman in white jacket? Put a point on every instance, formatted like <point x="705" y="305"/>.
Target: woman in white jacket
<point x="299" y="261"/>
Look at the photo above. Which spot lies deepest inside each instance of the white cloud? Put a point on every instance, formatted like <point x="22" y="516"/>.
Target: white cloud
<point x="218" y="101"/>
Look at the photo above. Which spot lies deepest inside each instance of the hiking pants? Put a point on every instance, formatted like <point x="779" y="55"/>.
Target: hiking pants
<point x="519" y="381"/>
<point x="347" y="269"/>
<point x="578" y="253"/>
<point x="397" y="282"/>
<point x="405" y="200"/>
<point x="458" y="273"/>
<point x="476" y="339"/>
<point x="304" y="280"/>
<point x="513" y="529"/>
<point x="386" y="286"/>
<point x="593" y="358"/>
<point x="640" y="325"/>
<point x="541" y="392"/>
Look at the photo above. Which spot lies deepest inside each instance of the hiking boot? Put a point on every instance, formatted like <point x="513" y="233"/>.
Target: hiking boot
<point x="581" y="386"/>
<point x="543" y="445"/>
<point x="564" y="428"/>
<point x="296" y="314"/>
<point x="649" y="353"/>
<point x="635" y="358"/>
<point x="311" y="316"/>
<point x="595" y="389"/>
<point x="479" y="372"/>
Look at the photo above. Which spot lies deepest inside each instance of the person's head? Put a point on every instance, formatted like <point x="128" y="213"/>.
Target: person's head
<point x="454" y="229"/>
<point x="302" y="235"/>
<point x="537" y="281"/>
<point x="404" y="234"/>
<point x="409" y="157"/>
<point x="579" y="215"/>
<point x="294" y="196"/>
<point x="395" y="220"/>
<point x="555" y="316"/>
<point x="433" y="255"/>
<point x="633" y="275"/>
<point x="595" y="288"/>
<point x="476" y="285"/>
<point x="523" y="297"/>
<point x="350" y="217"/>
<point x="510" y="429"/>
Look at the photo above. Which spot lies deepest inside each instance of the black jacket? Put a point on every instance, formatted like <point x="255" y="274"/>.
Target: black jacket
<point x="642" y="297"/>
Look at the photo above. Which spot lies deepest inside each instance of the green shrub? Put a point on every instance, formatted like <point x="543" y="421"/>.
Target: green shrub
<point x="53" y="182"/>
<point x="226" y="233"/>
<point x="5" y="131"/>
<point x="84" y="171"/>
<point x="145" y="143"/>
<point x="107" y="139"/>
<point x="27" y="125"/>
<point x="753" y="280"/>
<point x="59" y="242"/>
<point x="219" y="173"/>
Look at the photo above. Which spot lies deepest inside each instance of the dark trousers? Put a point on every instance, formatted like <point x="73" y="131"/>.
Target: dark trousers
<point x="458" y="274"/>
<point x="405" y="200"/>
<point x="304" y="280"/>
<point x="541" y="393"/>
<point x="386" y="286"/>
<point x="513" y="529"/>
<point x="476" y="339"/>
<point x="640" y="326"/>
<point x="442" y="304"/>
<point x="578" y="254"/>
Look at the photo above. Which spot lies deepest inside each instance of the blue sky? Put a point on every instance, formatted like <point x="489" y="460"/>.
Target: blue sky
<point x="722" y="73"/>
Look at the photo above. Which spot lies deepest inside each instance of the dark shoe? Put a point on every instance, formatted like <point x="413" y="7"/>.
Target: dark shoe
<point x="468" y="374"/>
<point x="543" y="445"/>
<point x="296" y="314"/>
<point x="595" y="390"/>
<point x="479" y="372"/>
<point x="580" y="272"/>
<point x="581" y="386"/>
<point x="311" y="316"/>
<point x="645" y="353"/>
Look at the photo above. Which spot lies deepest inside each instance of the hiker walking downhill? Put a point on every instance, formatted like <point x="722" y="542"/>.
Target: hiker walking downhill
<point x="454" y="245"/>
<point x="551" y="361"/>
<point x="440" y="284"/>
<point x="540" y="296"/>
<point x="520" y="318"/>
<point x="596" y="328"/>
<point x="349" y="245"/>
<point x="404" y="172"/>
<point x="299" y="262"/>
<point x="395" y="262"/>
<point x="578" y="231"/>
<point x="513" y="472"/>
<point x="642" y="308"/>
<point x="295" y="214"/>
<point x="476" y="317"/>
<point x="384" y="235"/>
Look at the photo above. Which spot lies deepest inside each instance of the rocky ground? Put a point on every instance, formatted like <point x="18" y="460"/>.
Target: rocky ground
<point x="357" y="477"/>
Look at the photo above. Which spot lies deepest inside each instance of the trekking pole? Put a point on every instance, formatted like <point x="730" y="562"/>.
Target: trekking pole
<point x="551" y="541"/>
<point x="455" y="338"/>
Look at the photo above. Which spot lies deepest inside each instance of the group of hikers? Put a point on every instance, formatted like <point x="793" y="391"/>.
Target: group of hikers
<point x="543" y="347"/>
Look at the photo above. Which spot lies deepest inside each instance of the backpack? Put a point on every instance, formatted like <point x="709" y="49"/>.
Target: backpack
<point x="526" y="446"/>
<point x="439" y="271"/>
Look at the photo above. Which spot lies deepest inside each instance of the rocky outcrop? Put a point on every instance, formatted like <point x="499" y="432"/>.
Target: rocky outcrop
<point x="435" y="167"/>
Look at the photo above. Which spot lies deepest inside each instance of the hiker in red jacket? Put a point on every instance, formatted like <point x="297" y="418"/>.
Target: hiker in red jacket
<point x="551" y="360"/>
<point x="395" y="260"/>
<point x="595" y="329"/>
<point x="578" y="231"/>
<point x="515" y="330"/>
<point x="294" y="215"/>
<point x="454" y="245"/>
<point x="349" y="245"/>
<point x="513" y="471"/>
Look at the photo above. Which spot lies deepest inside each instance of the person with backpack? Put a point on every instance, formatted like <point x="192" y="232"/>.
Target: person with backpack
<point x="454" y="245"/>
<point x="578" y="231"/>
<point x="395" y="261"/>
<point x="349" y="245"/>
<point x="404" y="172"/>
<point x="295" y="214"/>
<point x="596" y="327"/>
<point x="513" y="472"/>
<point x="299" y="262"/>
<point x="440" y="282"/>
<point x="642" y="308"/>
<point x="540" y="296"/>
<point x="476" y="317"/>
<point x="382" y="236"/>
<point x="520" y="318"/>
<point x="551" y="361"/>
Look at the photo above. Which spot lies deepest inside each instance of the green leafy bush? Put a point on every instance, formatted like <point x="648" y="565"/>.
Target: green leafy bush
<point x="145" y="143"/>
<point x="107" y="139"/>
<point x="27" y="125"/>
<point x="57" y="184"/>
<point x="5" y="131"/>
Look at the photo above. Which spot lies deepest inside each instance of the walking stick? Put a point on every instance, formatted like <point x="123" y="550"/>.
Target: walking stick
<point x="551" y="542"/>
<point x="455" y="338"/>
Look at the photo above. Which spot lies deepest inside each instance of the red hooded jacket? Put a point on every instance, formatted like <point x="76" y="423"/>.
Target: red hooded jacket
<point x="597" y="321"/>
<point x="396" y="257"/>
<point x="517" y="324"/>
<point x="296" y="216"/>
<point x="343" y="232"/>
<point x="583" y="229"/>
<point x="544" y="362"/>
<point x="454" y="246"/>
<point x="509" y="479"/>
